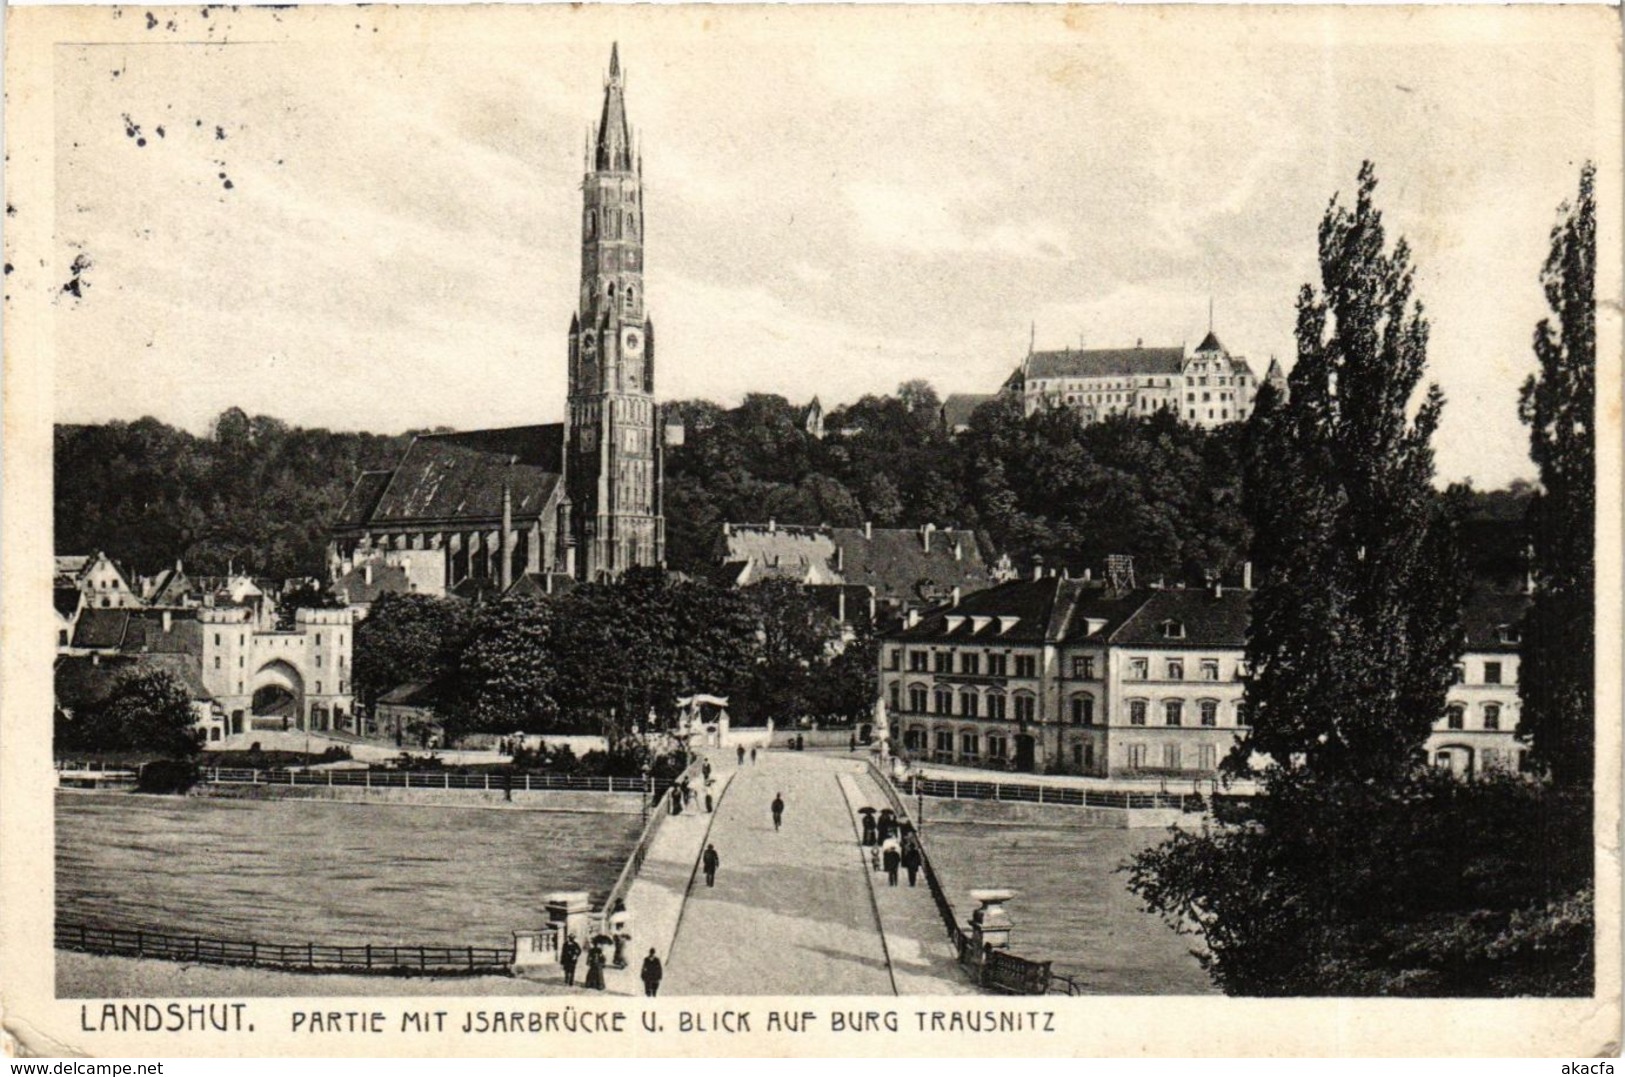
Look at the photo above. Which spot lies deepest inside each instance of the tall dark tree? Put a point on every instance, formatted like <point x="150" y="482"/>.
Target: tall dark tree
<point x="407" y="638"/>
<point x="1355" y="626"/>
<point x="1559" y="645"/>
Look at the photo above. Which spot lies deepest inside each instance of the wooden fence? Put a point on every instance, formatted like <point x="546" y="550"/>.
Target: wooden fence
<point x="430" y="779"/>
<point x="365" y="959"/>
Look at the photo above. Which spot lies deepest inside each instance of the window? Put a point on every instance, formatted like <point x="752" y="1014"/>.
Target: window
<point x="318" y="687"/>
<point x="216" y="661"/>
<point x="1026" y="665"/>
<point x="1492" y="673"/>
<point x="1026" y="706"/>
<point x="1210" y="669"/>
<point x="1508" y="634"/>
<point x="916" y="661"/>
<point x="944" y="661"/>
<point x="1210" y="711"/>
<point x="968" y="704"/>
<point x="945" y="746"/>
<point x="1458" y="675"/>
<point x="1138" y="669"/>
<point x="1207" y="757"/>
<point x="916" y="699"/>
<point x="1170" y="756"/>
<point x="1088" y="755"/>
<point x="895" y="659"/>
<point x="970" y="745"/>
<point x="62" y="637"/>
<point x="318" y="639"/>
<point x="1136" y="757"/>
<point x="1083" y="710"/>
<point x="1492" y="716"/>
<point x="217" y="639"/>
<point x="318" y="661"/>
<point x="1173" y="712"/>
<point x="995" y="705"/>
<point x="970" y="663"/>
<point x="1083" y="668"/>
<point x="1176" y="669"/>
<point x="1172" y="629"/>
<point x="944" y="701"/>
<point x="1243" y="718"/>
<point x="1455" y="717"/>
<point x="997" y="746"/>
<point x="895" y="696"/>
<point x="1136" y="712"/>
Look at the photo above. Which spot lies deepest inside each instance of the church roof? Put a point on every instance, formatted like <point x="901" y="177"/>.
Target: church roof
<point x="364" y="495"/>
<point x="1210" y="343"/>
<point x="614" y="149"/>
<point x="1105" y="362"/>
<point x="460" y="477"/>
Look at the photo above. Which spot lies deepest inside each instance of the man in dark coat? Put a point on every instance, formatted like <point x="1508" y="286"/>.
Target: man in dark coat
<point x="568" y="958"/>
<point x="739" y="749"/>
<point x="891" y="857"/>
<point x="778" y="809"/>
<point x="911" y="859"/>
<point x="652" y="972"/>
<point x="710" y="861"/>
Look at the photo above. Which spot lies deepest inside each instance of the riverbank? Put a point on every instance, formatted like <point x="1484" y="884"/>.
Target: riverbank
<point x="542" y="800"/>
<point x="95" y="976"/>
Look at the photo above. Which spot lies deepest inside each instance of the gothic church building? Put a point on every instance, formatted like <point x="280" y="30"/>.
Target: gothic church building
<point x="533" y="505"/>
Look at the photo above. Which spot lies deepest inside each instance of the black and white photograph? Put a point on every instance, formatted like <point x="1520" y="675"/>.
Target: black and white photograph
<point x="1121" y="510"/>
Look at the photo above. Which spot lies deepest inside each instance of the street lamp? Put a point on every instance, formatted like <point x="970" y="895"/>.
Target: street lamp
<point x="647" y="789"/>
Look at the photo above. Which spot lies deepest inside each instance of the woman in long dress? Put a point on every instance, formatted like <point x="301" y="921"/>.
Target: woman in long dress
<point x="595" y="967"/>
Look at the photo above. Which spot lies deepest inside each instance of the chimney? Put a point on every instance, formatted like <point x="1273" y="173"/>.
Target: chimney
<point x="840" y="558"/>
<point x="1218" y="588"/>
<point x="505" y="546"/>
<point x="959" y="548"/>
<point x="913" y="618"/>
<point x="956" y="595"/>
<point x="1038" y="566"/>
<point x="868" y="529"/>
<point x="840" y="605"/>
<point x="925" y="536"/>
<point x="166" y="622"/>
<point x="772" y="526"/>
<point x="95" y="658"/>
<point x="1246" y="575"/>
<point x="366" y="573"/>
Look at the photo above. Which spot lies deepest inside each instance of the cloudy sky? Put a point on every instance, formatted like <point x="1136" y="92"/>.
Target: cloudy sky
<point x="368" y="218"/>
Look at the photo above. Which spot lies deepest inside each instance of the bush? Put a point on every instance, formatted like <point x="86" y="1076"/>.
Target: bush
<point x="167" y="776"/>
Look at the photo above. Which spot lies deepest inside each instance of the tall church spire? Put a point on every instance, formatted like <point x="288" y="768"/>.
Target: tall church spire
<point x="614" y="147"/>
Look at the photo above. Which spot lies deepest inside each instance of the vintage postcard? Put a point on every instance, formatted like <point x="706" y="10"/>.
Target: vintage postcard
<point x="1113" y="549"/>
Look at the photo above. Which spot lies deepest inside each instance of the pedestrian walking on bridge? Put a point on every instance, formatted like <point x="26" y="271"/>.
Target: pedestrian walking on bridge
<point x="778" y="810"/>
<point x="568" y="958"/>
<point x="652" y="974"/>
<point x="710" y="861"/>
<point x="739" y="750"/>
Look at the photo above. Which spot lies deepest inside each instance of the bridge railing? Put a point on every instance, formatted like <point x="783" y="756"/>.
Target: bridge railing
<point x="365" y="958"/>
<point x="993" y="970"/>
<point x="1037" y="793"/>
<point x="430" y="779"/>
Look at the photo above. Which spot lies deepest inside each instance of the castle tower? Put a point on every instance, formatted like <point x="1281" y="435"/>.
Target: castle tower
<point x="612" y="519"/>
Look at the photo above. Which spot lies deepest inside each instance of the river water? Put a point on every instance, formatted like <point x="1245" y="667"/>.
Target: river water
<point x="1072" y="908"/>
<point x="326" y="871"/>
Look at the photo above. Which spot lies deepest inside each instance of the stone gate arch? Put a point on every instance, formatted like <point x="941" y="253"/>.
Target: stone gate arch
<point x="279" y="674"/>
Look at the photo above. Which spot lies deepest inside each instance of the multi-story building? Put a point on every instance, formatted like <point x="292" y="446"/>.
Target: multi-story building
<point x="1206" y="387"/>
<point x="1063" y="675"/>
<point x="103" y="583"/>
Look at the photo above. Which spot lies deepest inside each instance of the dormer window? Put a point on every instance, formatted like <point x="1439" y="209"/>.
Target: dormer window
<point x="1007" y="623"/>
<point x="954" y="621"/>
<point x="1171" y="629"/>
<point x="979" y="623"/>
<point x="1508" y="634"/>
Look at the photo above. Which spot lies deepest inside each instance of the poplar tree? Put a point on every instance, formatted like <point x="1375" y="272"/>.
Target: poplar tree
<point x="1559" y="645"/>
<point x="1356" y="624"/>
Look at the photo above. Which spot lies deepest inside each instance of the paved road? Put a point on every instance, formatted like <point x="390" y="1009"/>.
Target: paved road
<point x="791" y="912"/>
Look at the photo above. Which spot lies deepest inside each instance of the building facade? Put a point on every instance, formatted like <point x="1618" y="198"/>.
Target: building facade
<point x="1062" y="675"/>
<point x="580" y="498"/>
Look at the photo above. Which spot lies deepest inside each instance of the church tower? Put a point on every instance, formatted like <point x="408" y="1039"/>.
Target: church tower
<point x="611" y="519"/>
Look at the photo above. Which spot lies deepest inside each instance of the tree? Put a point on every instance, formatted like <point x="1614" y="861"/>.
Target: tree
<point x="507" y="670"/>
<point x="1355" y="626"/>
<point x="149" y="710"/>
<point x="1559" y="645"/>
<point x="407" y="638"/>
